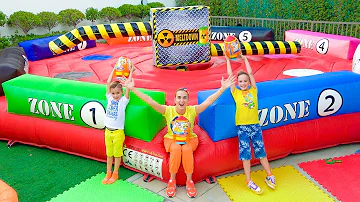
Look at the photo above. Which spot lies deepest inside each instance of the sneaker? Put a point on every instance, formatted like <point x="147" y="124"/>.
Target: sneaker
<point x="107" y="177"/>
<point x="171" y="189"/>
<point x="256" y="189"/>
<point x="270" y="181"/>
<point x="190" y="189"/>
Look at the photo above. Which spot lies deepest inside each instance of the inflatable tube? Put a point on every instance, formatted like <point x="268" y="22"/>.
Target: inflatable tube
<point x="325" y="44"/>
<point x="101" y="31"/>
<point x="260" y="48"/>
<point x="7" y="193"/>
<point x="243" y="34"/>
<point x="13" y="63"/>
<point x="38" y="49"/>
<point x="285" y="102"/>
<point x="71" y="102"/>
<point x="356" y="60"/>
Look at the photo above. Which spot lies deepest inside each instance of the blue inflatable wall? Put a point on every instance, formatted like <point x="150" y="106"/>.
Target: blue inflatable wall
<point x="286" y="101"/>
<point x="38" y="49"/>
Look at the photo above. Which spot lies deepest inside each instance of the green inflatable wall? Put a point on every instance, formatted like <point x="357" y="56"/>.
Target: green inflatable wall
<point x="80" y="103"/>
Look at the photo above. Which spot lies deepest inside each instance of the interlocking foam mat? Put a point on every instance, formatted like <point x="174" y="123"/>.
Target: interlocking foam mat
<point x="342" y="180"/>
<point x="93" y="190"/>
<point x="291" y="185"/>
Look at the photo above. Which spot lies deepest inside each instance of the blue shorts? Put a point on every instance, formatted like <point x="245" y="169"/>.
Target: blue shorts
<point x="253" y="133"/>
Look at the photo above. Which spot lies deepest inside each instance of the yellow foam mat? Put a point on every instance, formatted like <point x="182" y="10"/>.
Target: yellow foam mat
<point x="291" y="185"/>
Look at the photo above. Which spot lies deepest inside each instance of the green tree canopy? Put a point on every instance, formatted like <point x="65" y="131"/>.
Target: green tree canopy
<point x="2" y="19"/>
<point x="129" y="10"/>
<point x="144" y="10"/>
<point x="70" y="17"/>
<point x="110" y="14"/>
<point x="48" y="20"/>
<point x="92" y="14"/>
<point x="156" y="5"/>
<point x="24" y="20"/>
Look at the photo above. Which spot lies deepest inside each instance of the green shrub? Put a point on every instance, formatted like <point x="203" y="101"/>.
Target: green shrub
<point x="24" y="20"/>
<point x="70" y="17"/>
<point x="4" y="42"/>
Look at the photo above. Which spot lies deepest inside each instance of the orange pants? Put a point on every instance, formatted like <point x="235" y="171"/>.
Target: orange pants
<point x="182" y="153"/>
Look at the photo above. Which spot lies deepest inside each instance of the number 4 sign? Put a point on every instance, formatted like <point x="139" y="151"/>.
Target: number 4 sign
<point x="322" y="46"/>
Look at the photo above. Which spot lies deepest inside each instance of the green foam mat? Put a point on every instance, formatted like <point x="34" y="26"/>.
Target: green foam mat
<point x="93" y="190"/>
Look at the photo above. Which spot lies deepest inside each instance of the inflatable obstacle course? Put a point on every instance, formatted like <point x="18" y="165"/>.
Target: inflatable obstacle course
<point x="287" y="101"/>
<point x="79" y="103"/>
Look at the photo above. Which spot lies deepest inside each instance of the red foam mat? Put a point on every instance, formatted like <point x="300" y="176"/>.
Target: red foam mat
<point x="341" y="179"/>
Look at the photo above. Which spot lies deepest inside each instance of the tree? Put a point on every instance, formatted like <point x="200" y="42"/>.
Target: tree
<point x="156" y="5"/>
<point x="128" y="10"/>
<point x="2" y="19"/>
<point x="144" y="10"/>
<point x="110" y="14"/>
<point x="24" y="20"/>
<point x="48" y="20"/>
<point x="70" y="17"/>
<point x="92" y="14"/>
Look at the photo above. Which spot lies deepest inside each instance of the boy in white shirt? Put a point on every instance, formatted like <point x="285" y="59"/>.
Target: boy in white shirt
<point x="114" y="125"/>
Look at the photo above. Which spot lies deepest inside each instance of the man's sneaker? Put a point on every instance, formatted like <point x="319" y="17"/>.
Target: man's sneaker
<point x="270" y="181"/>
<point x="256" y="189"/>
<point x="171" y="189"/>
<point x="190" y="189"/>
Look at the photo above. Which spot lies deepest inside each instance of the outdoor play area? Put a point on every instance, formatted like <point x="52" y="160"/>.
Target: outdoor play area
<point x="52" y="109"/>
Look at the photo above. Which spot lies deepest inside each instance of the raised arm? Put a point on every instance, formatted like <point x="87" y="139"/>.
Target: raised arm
<point x="249" y="71"/>
<point x="127" y="92"/>
<point x="130" y="85"/>
<point x="211" y="99"/>
<point x="109" y="81"/>
<point x="229" y="71"/>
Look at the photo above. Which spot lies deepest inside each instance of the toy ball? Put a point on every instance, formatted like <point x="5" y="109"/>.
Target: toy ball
<point x="122" y="67"/>
<point x="232" y="47"/>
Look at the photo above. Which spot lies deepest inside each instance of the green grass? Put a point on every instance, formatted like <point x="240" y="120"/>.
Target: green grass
<point x="39" y="174"/>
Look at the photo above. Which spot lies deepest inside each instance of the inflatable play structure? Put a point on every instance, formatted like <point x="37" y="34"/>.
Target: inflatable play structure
<point x="306" y="99"/>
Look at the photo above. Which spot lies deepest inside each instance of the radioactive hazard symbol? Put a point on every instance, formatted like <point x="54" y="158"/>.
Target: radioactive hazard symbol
<point x="165" y="38"/>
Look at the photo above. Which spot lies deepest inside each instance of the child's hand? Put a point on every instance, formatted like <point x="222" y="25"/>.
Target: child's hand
<point x="133" y="68"/>
<point x="128" y="83"/>
<point x="228" y="82"/>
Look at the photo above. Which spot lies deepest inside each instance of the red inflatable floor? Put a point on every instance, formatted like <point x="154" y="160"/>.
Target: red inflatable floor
<point x="200" y="77"/>
<point x="341" y="179"/>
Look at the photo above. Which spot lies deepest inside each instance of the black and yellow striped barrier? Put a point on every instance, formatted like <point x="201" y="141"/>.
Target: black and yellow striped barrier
<point x="101" y="31"/>
<point x="260" y="48"/>
<point x="106" y="31"/>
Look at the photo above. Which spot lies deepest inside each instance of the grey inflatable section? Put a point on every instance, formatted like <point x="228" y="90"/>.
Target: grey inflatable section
<point x="13" y="63"/>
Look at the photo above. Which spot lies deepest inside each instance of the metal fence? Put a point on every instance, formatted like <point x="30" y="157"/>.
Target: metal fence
<point x="279" y="26"/>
